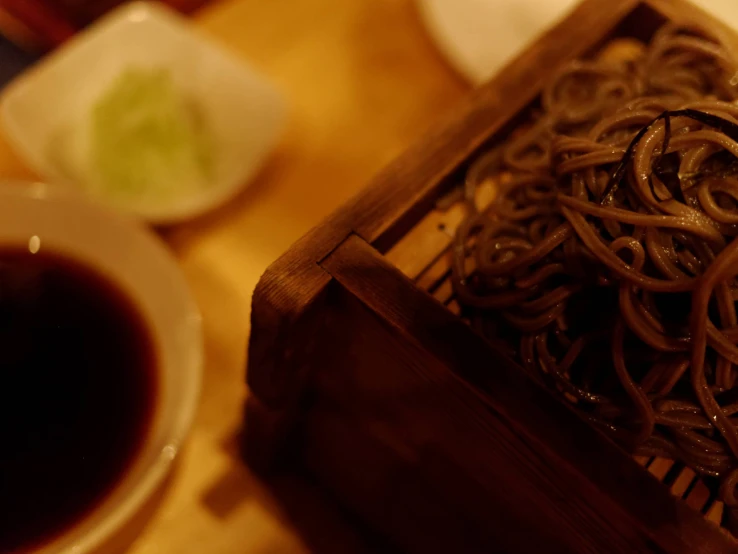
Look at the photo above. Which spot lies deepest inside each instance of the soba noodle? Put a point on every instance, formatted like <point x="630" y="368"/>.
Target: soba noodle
<point x="607" y="264"/>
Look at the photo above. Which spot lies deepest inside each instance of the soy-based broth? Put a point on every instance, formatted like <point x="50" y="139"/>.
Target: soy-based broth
<point x="77" y="388"/>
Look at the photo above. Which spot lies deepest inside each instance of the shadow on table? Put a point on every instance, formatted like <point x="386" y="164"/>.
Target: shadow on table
<point x="296" y="500"/>
<point x="321" y="524"/>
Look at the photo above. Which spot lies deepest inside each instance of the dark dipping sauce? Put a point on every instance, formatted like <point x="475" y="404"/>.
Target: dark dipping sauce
<point x="77" y="389"/>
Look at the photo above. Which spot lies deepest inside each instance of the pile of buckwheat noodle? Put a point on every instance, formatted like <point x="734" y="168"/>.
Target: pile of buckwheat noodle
<point x="607" y="264"/>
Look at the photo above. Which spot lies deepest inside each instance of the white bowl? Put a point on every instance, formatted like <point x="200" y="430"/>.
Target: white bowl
<point x="139" y="263"/>
<point x="48" y="108"/>
<point x="478" y="37"/>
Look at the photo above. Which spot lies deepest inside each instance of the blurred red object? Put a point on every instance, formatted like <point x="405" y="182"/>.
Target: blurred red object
<point x="35" y="23"/>
<point x="45" y="24"/>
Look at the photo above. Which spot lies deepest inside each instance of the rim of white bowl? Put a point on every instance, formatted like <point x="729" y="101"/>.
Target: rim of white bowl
<point x="78" y="539"/>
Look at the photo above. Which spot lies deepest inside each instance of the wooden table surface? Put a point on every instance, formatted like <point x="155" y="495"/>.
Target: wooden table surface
<point x="362" y="80"/>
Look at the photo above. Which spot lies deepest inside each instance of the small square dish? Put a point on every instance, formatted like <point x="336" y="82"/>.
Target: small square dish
<point x="142" y="83"/>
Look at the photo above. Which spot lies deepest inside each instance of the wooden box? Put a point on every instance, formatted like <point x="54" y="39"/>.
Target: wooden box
<point x="361" y="373"/>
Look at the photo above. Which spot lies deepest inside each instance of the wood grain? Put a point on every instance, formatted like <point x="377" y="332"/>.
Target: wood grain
<point x="404" y="188"/>
<point x="514" y="428"/>
<point x="362" y="81"/>
<point x="413" y="179"/>
<point x="398" y="196"/>
<point x="390" y="371"/>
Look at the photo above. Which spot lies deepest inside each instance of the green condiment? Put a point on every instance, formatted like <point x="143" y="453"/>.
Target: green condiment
<point x="146" y="139"/>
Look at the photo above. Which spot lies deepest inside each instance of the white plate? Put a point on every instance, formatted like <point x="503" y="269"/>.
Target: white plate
<point x="478" y="37"/>
<point x="44" y="109"/>
<point x="141" y="265"/>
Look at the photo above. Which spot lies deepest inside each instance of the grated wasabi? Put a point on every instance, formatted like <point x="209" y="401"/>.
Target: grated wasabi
<point x="147" y="140"/>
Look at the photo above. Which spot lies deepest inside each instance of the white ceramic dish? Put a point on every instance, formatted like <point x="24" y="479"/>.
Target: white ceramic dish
<point x="139" y="263"/>
<point x="478" y="37"/>
<point x="47" y="109"/>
